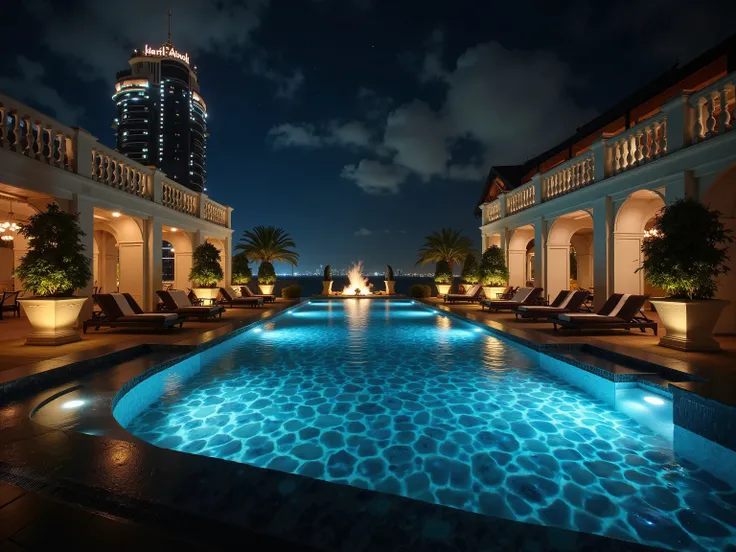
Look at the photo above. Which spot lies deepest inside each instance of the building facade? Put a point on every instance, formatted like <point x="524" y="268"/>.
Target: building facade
<point x="596" y="194"/>
<point x="161" y="116"/>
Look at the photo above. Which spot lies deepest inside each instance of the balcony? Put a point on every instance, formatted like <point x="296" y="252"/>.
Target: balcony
<point x="681" y="123"/>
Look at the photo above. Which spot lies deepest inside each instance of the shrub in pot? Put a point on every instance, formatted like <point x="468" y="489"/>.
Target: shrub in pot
<point x="266" y="278"/>
<point x="683" y="257"/>
<point x="327" y="281"/>
<point x="389" y="281"/>
<point x="420" y="291"/>
<point x="469" y="274"/>
<point x="493" y="273"/>
<point x="443" y="278"/>
<point x="242" y="273"/>
<point x="206" y="272"/>
<point x="54" y="267"/>
<point x="292" y="292"/>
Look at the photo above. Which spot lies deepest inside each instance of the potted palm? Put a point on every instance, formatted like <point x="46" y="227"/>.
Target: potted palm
<point x="267" y="244"/>
<point x="448" y="246"/>
<point x="54" y="267"/>
<point x="493" y="272"/>
<point x="389" y="281"/>
<point x="327" y="281"/>
<point x="683" y="258"/>
<point x="469" y="274"/>
<point x="206" y="272"/>
<point x="442" y="278"/>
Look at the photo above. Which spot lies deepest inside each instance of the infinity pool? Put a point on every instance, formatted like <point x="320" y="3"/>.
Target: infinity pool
<point x="395" y="397"/>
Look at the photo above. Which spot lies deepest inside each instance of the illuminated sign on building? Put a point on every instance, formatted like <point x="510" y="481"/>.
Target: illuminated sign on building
<point x="166" y="51"/>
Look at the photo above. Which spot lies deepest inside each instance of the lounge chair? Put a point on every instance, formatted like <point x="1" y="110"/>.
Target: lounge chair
<point x="245" y="291"/>
<point x="119" y="311"/>
<point x="9" y="303"/>
<point x="176" y="300"/>
<point x="507" y="293"/>
<point x="566" y="301"/>
<point x="231" y="301"/>
<point x="620" y="312"/>
<point x="472" y="295"/>
<point x="524" y="296"/>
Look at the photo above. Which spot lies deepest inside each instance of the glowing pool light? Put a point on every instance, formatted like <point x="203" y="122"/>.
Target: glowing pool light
<point x="72" y="404"/>
<point x="654" y="400"/>
<point x="258" y="330"/>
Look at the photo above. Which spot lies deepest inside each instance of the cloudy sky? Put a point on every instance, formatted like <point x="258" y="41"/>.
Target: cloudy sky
<point x="359" y="126"/>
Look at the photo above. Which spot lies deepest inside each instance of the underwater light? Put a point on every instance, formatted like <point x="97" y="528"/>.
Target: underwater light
<point x="654" y="400"/>
<point x="72" y="404"/>
<point x="258" y="330"/>
<point x="477" y="330"/>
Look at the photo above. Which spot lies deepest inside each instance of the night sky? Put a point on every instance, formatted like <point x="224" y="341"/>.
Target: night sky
<point x="359" y="126"/>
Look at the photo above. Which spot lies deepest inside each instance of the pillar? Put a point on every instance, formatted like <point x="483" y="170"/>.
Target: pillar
<point x="85" y="208"/>
<point x="133" y="269"/>
<point x="681" y="185"/>
<point x="540" y="257"/>
<point x="227" y="259"/>
<point x="602" y="249"/>
<point x="584" y="255"/>
<point x="153" y="267"/>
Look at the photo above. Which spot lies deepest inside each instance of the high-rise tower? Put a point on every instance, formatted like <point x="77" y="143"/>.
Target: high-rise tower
<point x="162" y="118"/>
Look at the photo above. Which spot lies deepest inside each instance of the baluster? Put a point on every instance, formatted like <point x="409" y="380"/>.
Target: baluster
<point x="616" y="157"/>
<point x="724" y="119"/>
<point x="646" y="150"/>
<point x="16" y="132"/>
<point x="664" y="136"/>
<point x="711" y="124"/>
<point x="700" y="119"/>
<point x="69" y="153"/>
<point x="656" y="136"/>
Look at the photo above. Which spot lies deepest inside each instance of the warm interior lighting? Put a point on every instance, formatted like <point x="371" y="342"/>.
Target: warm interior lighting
<point x="116" y="214"/>
<point x="172" y="250"/>
<point x="9" y="228"/>
<point x="174" y="229"/>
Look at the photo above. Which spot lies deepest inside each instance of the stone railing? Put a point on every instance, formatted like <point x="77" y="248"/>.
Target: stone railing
<point x="521" y="198"/>
<point x="37" y="136"/>
<point x="492" y="211"/>
<point x="714" y="109"/>
<point x="637" y="146"/>
<point x="569" y="176"/>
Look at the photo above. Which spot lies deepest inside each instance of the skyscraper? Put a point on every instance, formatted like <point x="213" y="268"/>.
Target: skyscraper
<point x="161" y="117"/>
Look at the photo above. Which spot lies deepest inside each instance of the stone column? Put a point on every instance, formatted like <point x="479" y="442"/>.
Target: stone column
<point x="153" y="269"/>
<point x="133" y="272"/>
<point x="540" y="253"/>
<point x="602" y="249"/>
<point x="227" y="259"/>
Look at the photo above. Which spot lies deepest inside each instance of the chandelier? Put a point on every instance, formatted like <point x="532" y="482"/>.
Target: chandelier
<point x="9" y="228"/>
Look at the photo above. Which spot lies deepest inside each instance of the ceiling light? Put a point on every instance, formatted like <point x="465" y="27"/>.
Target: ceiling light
<point x="115" y="214"/>
<point x="174" y="229"/>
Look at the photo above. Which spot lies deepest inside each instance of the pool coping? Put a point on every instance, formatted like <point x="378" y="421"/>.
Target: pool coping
<point x="309" y="511"/>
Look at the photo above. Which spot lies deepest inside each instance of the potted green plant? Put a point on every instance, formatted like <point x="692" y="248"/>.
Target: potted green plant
<point x="448" y="246"/>
<point x="241" y="272"/>
<point x="206" y="272"/>
<point x="493" y="273"/>
<point x="469" y="273"/>
<point x="327" y="281"/>
<point x="443" y="278"/>
<point x="683" y="257"/>
<point x="266" y="277"/>
<point x="389" y="281"/>
<point x="54" y="267"/>
<point x="268" y="244"/>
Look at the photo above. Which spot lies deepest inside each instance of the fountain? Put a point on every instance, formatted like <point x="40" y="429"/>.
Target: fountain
<point x="358" y="283"/>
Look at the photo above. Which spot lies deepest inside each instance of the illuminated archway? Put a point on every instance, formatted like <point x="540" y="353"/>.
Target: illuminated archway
<point x="182" y="244"/>
<point x="570" y="233"/>
<point x="519" y="254"/>
<point x="128" y="234"/>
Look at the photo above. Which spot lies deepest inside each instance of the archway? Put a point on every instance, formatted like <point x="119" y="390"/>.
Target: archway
<point x="105" y="261"/>
<point x="491" y="239"/>
<point x="181" y="244"/>
<point x="720" y="194"/>
<point x="570" y="241"/>
<point x="519" y="255"/>
<point x="632" y="220"/>
<point x="128" y="234"/>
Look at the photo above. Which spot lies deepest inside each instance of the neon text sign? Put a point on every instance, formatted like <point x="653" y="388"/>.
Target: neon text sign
<point x="166" y="51"/>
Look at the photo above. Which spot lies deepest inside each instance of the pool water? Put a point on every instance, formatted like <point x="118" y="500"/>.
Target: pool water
<point x="395" y="397"/>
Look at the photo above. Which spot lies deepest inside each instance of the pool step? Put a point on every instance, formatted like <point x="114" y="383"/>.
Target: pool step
<point x="618" y="372"/>
<point x="657" y="383"/>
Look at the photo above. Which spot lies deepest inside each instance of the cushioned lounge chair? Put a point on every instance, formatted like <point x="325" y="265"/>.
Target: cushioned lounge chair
<point x="566" y="301"/>
<point x="507" y="293"/>
<point x="524" y="296"/>
<point x="472" y="295"/>
<point x="9" y="303"/>
<point x="176" y="300"/>
<point x="119" y="311"/>
<point x="245" y="291"/>
<point x="230" y="300"/>
<point x="620" y="312"/>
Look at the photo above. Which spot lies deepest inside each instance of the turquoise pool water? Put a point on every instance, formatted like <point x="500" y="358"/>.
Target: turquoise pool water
<point x="392" y="396"/>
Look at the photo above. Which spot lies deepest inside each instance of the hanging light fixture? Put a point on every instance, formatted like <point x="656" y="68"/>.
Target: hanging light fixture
<point x="9" y="228"/>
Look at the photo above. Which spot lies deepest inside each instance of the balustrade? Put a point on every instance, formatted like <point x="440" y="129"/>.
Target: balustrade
<point x="117" y="171"/>
<point x="493" y="211"/>
<point x="179" y="198"/>
<point x="215" y="213"/>
<point x="637" y="146"/>
<point x="714" y="109"/>
<point x="521" y="198"/>
<point x="569" y="176"/>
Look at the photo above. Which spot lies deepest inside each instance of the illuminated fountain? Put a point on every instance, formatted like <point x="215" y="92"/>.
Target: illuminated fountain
<point x="358" y="283"/>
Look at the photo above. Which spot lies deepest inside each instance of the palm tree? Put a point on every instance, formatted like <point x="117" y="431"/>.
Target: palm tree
<point x="447" y="245"/>
<point x="268" y="244"/>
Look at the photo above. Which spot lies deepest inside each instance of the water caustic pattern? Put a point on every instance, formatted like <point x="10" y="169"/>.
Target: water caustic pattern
<point x="394" y="397"/>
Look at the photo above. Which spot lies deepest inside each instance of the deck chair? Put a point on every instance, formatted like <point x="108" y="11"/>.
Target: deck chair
<point x="118" y="312"/>
<point x="566" y="301"/>
<point x="176" y="300"/>
<point x="9" y="303"/>
<point x="228" y="298"/>
<point x="620" y="312"/>
<point x="245" y="291"/>
<point x="472" y="295"/>
<point x="524" y="296"/>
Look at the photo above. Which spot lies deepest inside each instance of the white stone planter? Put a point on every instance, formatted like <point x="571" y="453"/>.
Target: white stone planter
<point x="52" y="319"/>
<point x="443" y="289"/>
<point x="689" y="323"/>
<point x="390" y="287"/>
<point x="266" y="289"/>
<point x="208" y="295"/>
<point x="491" y="292"/>
<point x="326" y="287"/>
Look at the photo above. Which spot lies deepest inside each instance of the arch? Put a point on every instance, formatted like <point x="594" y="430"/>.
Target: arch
<point x="572" y="231"/>
<point x="105" y="261"/>
<point x="491" y="239"/>
<point x="183" y="249"/>
<point x="721" y="195"/>
<point x="630" y="224"/>
<point x="130" y="270"/>
<point x="517" y="255"/>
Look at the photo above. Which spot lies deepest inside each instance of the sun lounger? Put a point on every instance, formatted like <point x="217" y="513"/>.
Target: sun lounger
<point x="472" y="295"/>
<point x="524" y="296"/>
<point x="566" y="301"/>
<point x="176" y="300"/>
<point x="246" y="292"/>
<point x="123" y="312"/>
<point x="620" y="312"/>
<point x="231" y="300"/>
<point x="9" y="303"/>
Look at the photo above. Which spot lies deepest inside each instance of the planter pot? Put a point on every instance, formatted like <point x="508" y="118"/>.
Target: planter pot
<point x="52" y="319"/>
<point x="491" y="292"/>
<point x="327" y="287"/>
<point x="208" y="295"/>
<point x="443" y="289"/>
<point x="390" y="287"/>
<point x="689" y="323"/>
<point x="266" y="289"/>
